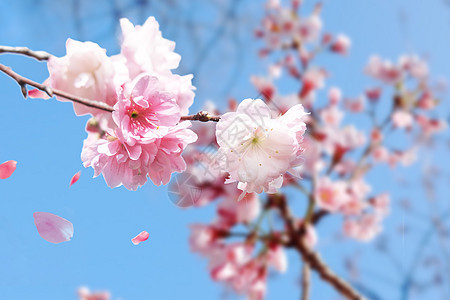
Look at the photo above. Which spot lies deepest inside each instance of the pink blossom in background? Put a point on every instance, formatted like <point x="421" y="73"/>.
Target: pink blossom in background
<point x="383" y="70"/>
<point x="7" y="168"/>
<point x="341" y="44"/>
<point x="141" y="237"/>
<point x="53" y="228"/>
<point x="75" y="178"/>
<point x="363" y="228"/>
<point x="334" y="95"/>
<point x="263" y="149"/>
<point x="402" y="119"/>
<point x="85" y="294"/>
<point x="415" y="66"/>
<point x="331" y="195"/>
<point x="277" y="258"/>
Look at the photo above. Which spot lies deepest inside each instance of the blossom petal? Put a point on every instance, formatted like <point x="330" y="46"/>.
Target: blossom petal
<point x="53" y="228"/>
<point x="75" y="178"/>
<point x="7" y="168"/>
<point x="143" y="236"/>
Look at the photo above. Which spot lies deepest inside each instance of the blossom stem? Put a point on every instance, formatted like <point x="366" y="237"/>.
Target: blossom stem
<point x="202" y="116"/>
<point x="39" y="55"/>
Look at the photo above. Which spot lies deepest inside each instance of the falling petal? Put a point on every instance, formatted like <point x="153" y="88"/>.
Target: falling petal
<point x="52" y="228"/>
<point x="143" y="236"/>
<point x="35" y="93"/>
<point x="7" y="168"/>
<point x="75" y="178"/>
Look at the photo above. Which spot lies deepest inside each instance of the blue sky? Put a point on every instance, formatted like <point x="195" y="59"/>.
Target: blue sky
<point x="45" y="137"/>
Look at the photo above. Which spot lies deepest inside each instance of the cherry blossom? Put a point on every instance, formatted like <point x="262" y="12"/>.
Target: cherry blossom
<point x="257" y="149"/>
<point x="85" y="71"/>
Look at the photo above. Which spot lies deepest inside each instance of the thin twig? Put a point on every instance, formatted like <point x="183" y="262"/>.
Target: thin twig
<point x="202" y="116"/>
<point x="39" y="55"/>
<point x="306" y="281"/>
<point x="23" y="82"/>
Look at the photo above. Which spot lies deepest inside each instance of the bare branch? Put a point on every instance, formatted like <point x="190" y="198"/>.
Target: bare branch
<point x="23" y="82"/>
<point x="306" y="281"/>
<point x="309" y="256"/>
<point x="39" y="55"/>
<point x="202" y="116"/>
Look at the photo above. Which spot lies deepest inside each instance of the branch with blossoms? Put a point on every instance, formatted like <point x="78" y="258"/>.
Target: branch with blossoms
<point x="250" y="154"/>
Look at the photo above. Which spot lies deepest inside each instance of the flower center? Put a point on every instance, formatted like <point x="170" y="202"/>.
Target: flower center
<point x="134" y="114"/>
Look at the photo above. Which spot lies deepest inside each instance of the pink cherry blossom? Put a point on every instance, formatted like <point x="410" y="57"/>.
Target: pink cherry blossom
<point x="232" y="212"/>
<point x="331" y="115"/>
<point x="363" y="228"/>
<point x="168" y="157"/>
<point x="402" y="119"/>
<point x="381" y="203"/>
<point x="355" y="105"/>
<point x="203" y="238"/>
<point x="383" y="70"/>
<point x="85" y="294"/>
<point x="119" y="163"/>
<point x="257" y="150"/>
<point x="141" y="237"/>
<point x="53" y="228"/>
<point x="313" y="79"/>
<point x="309" y="28"/>
<point x="7" y="168"/>
<point x="415" y="66"/>
<point x="75" y="178"/>
<point x="334" y="95"/>
<point x="341" y="44"/>
<point x="85" y="71"/>
<point x="277" y="258"/>
<point x="145" y="50"/>
<point x="330" y="195"/>
<point x="144" y="112"/>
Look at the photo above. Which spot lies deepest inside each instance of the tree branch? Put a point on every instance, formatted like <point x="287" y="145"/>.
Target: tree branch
<point x="39" y="55"/>
<point x="23" y="82"/>
<point x="202" y="116"/>
<point x="309" y="256"/>
<point x="306" y="281"/>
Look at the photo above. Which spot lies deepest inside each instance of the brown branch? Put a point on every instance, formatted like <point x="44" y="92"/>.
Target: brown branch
<point x="39" y="55"/>
<point x="306" y="281"/>
<point x="23" y="82"/>
<point x="309" y="256"/>
<point x="202" y="116"/>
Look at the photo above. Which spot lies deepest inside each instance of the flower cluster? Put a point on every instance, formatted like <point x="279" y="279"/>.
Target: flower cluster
<point x="143" y="137"/>
<point x="267" y="145"/>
